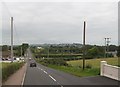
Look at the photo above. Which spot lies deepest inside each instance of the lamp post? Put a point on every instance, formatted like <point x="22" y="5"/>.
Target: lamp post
<point x="107" y="41"/>
<point x="12" y="39"/>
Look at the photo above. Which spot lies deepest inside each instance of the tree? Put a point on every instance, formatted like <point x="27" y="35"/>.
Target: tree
<point x="24" y="48"/>
<point x="94" y="52"/>
<point x="5" y="48"/>
<point x="112" y="48"/>
<point x="118" y="51"/>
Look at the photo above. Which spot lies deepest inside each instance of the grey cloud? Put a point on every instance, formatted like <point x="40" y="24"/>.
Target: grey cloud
<point x="57" y="22"/>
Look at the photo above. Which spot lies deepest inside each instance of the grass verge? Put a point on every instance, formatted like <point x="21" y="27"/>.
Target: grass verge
<point x="75" y="67"/>
<point x="10" y="68"/>
<point x="77" y="71"/>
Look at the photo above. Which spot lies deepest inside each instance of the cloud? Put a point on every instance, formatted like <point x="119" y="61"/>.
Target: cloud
<point x="62" y="22"/>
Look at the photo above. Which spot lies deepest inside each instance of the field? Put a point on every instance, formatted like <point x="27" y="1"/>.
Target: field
<point x="92" y="66"/>
<point x="95" y="63"/>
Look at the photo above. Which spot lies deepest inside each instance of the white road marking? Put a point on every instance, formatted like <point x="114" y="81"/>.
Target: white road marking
<point x="40" y="69"/>
<point x="45" y="72"/>
<point x="59" y="84"/>
<point x="24" y="75"/>
<point x="52" y="78"/>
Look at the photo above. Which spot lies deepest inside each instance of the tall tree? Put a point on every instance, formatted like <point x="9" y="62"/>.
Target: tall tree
<point x="118" y="51"/>
<point x="24" y="48"/>
<point x="5" y="48"/>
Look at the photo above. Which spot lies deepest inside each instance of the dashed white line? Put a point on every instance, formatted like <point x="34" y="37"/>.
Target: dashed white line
<point x="52" y="78"/>
<point x="59" y="84"/>
<point x="45" y="72"/>
<point x="40" y="68"/>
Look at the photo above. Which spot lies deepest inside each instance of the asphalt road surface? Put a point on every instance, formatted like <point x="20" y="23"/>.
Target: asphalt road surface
<point x="42" y="75"/>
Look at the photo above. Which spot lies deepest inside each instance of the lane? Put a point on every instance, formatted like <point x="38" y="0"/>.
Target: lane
<point x="35" y="76"/>
<point x="42" y="75"/>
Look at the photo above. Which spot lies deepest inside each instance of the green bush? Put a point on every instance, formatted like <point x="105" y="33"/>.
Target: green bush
<point x="89" y="66"/>
<point x="57" y="55"/>
<point x="80" y="66"/>
<point x="53" y="62"/>
<point x="10" y="69"/>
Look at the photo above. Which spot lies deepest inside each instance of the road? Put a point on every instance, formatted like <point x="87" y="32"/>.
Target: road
<point x="42" y="75"/>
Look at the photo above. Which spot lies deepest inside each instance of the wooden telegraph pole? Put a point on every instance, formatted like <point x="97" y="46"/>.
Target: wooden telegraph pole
<point x="84" y="45"/>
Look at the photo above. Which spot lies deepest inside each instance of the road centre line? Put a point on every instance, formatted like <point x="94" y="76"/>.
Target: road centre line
<point x="40" y="68"/>
<point x="55" y="80"/>
<point x="45" y="72"/>
<point x="52" y="78"/>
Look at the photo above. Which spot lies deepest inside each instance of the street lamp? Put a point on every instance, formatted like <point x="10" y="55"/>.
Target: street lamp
<point x="107" y="41"/>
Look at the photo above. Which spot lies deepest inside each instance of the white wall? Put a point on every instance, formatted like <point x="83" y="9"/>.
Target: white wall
<point x="110" y="71"/>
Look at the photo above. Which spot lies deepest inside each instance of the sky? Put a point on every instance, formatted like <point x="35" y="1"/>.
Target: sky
<point x="60" y="22"/>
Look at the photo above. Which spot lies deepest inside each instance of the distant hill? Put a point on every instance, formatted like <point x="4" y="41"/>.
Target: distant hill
<point x="62" y="44"/>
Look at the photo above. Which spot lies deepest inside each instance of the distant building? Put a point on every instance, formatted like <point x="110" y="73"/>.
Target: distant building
<point x="39" y="48"/>
<point x="114" y="53"/>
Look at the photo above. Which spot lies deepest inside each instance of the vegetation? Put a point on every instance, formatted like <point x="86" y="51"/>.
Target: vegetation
<point x="95" y="63"/>
<point x="24" y="48"/>
<point x="92" y="67"/>
<point x="16" y="49"/>
<point x="71" y="52"/>
<point x="58" y="55"/>
<point x="63" y="66"/>
<point x="118" y="51"/>
<point x="77" y="71"/>
<point x="10" y="68"/>
<point x="58" y="62"/>
<point x="60" y="58"/>
<point x="94" y="52"/>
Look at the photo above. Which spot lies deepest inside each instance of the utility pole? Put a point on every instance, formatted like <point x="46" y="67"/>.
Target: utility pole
<point x="84" y="45"/>
<point x="107" y="41"/>
<point x="105" y="48"/>
<point x="12" y="39"/>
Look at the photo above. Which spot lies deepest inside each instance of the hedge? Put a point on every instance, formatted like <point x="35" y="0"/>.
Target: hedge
<point x="9" y="69"/>
<point x="57" y="55"/>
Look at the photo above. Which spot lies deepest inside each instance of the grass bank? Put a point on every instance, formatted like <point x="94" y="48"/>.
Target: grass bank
<point x="75" y="67"/>
<point x="77" y="71"/>
<point x="74" y="70"/>
<point x="10" y="68"/>
<point x="95" y="63"/>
